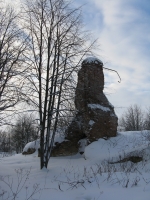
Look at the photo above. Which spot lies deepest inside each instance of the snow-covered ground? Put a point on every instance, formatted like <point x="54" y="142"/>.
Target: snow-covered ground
<point x="90" y="176"/>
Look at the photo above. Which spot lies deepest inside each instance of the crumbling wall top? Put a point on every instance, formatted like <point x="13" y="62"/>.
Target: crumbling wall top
<point x="92" y="60"/>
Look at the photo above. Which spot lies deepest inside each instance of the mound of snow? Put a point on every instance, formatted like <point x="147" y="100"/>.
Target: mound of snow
<point x="124" y="144"/>
<point x="36" y="144"/>
<point x="32" y="145"/>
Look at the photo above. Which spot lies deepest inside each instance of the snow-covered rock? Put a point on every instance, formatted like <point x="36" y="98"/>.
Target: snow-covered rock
<point x="31" y="147"/>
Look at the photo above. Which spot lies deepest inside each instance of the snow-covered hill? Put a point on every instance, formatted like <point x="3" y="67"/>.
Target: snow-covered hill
<point x="104" y="172"/>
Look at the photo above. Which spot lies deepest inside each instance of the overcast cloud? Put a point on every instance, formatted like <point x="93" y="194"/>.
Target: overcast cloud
<point x="123" y="30"/>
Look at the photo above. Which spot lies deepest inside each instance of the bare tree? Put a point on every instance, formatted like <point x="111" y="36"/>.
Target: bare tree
<point x="132" y="119"/>
<point x="25" y="130"/>
<point x="5" y="142"/>
<point x="147" y="120"/>
<point x="12" y="46"/>
<point x="57" y="46"/>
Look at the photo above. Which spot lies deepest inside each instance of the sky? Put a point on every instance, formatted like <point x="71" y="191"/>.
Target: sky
<point x="122" y="29"/>
<point x="123" y="32"/>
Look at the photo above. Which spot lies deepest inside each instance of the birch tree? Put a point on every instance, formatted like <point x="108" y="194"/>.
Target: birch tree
<point x="57" y="46"/>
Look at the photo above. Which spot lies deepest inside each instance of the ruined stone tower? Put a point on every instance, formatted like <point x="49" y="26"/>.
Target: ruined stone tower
<point x="95" y="117"/>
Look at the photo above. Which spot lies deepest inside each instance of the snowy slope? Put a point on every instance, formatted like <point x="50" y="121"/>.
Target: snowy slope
<point x="86" y="177"/>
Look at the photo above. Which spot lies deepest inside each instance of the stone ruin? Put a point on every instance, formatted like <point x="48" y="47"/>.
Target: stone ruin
<point x="95" y="117"/>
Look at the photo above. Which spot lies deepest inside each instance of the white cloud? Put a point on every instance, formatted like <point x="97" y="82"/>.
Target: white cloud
<point x="124" y="36"/>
